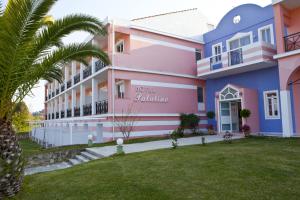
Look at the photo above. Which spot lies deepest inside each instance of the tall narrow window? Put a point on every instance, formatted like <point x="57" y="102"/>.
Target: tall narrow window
<point x="216" y="50"/>
<point x="271" y="105"/>
<point x="121" y="90"/>
<point x="198" y="55"/>
<point x="120" y="46"/>
<point x="200" y="95"/>
<point x="266" y="34"/>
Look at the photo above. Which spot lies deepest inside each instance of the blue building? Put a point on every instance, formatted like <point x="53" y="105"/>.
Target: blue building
<point x="240" y="71"/>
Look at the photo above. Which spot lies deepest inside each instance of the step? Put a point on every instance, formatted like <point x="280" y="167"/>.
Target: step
<point x="82" y="158"/>
<point x="94" y="153"/>
<point x="89" y="155"/>
<point x="74" y="161"/>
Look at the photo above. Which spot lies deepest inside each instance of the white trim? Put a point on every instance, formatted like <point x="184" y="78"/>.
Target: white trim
<point x="152" y="72"/>
<point x="286" y="54"/>
<point x="238" y="36"/>
<point x="162" y="43"/>
<point x="162" y="84"/>
<point x="267" y="116"/>
<point x="143" y="133"/>
<point x="213" y="48"/>
<point x="165" y="34"/>
<point x="270" y="26"/>
<point x="286" y="109"/>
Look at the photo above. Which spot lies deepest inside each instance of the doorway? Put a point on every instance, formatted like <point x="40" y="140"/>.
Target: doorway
<point x="230" y="119"/>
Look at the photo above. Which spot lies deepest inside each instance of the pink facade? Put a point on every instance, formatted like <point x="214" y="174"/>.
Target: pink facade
<point x="152" y="73"/>
<point x="287" y="19"/>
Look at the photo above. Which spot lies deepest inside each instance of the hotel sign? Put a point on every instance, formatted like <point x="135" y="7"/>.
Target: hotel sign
<point x="149" y="95"/>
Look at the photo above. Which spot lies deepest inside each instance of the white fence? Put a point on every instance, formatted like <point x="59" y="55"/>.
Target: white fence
<point x="62" y="134"/>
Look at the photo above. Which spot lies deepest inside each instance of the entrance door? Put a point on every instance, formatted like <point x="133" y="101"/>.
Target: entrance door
<point x="229" y="116"/>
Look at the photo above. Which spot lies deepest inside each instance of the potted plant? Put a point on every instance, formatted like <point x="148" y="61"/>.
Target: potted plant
<point x="210" y="127"/>
<point x="245" y="113"/>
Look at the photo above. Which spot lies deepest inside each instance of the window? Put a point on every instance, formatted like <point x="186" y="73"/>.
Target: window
<point x="120" y="46"/>
<point x="217" y="51"/>
<point x="198" y="55"/>
<point x="265" y="34"/>
<point x="271" y="102"/>
<point x="240" y="42"/>
<point x="121" y="90"/>
<point x="200" y="95"/>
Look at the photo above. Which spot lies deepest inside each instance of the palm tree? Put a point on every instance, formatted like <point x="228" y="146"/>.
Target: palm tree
<point x="31" y="49"/>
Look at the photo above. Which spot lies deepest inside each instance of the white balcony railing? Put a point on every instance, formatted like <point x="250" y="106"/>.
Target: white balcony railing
<point x="226" y="63"/>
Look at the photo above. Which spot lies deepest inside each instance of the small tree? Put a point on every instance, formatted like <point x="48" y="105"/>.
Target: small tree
<point x="210" y="127"/>
<point x="194" y="122"/>
<point x="126" y="122"/>
<point x="245" y="113"/>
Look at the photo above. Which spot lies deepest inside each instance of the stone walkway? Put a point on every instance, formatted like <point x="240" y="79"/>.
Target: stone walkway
<point x="107" y="151"/>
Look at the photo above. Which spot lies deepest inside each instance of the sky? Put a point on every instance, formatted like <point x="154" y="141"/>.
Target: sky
<point x="129" y="9"/>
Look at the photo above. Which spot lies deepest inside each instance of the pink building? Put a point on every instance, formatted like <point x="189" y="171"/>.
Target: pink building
<point x="152" y="78"/>
<point x="287" y="19"/>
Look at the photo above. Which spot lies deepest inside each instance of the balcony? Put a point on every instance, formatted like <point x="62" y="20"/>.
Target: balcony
<point x="255" y="56"/>
<point x="76" y="79"/>
<point x="99" y="65"/>
<point x="292" y="42"/>
<point x="62" y="114"/>
<point x="102" y="107"/>
<point x="62" y="87"/>
<point x="69" y="113"/>
<point x="87" y="72"/>
<point x="87" y="110"/>
<point x="76" y="112"/>
<point x="69" y="84"/>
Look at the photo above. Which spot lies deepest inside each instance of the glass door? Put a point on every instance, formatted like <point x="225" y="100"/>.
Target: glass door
<point x="229" y="116"/>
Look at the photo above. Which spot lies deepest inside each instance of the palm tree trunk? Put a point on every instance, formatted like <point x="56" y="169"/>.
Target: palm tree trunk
<point x="11" y="161"/>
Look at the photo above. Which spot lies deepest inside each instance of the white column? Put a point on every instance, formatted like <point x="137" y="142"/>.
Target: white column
<point x="73" y="71"/>
<point x="94" y="95"/>
<point x="93" y="61"/>
<point x="66" y="76"/>
<point x="73" y="101"/>
<point x="59" y="106"/>
<point x="81" y="71"/>
<point x="82" y="98"/>
<point x="66" y="104"/>
<point x="286" y="113"/>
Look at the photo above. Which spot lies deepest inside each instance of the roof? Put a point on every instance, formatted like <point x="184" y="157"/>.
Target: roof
<point x="168" y="13"/>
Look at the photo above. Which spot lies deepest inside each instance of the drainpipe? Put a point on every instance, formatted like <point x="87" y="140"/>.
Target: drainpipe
<point x="113" y="78"/>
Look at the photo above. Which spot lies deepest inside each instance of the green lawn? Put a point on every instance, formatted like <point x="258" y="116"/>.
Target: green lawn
<point x="254" y="169"/>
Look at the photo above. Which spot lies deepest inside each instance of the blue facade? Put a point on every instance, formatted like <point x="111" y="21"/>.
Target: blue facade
<point x="260" y="80"/>
<point x="252" y="17"/>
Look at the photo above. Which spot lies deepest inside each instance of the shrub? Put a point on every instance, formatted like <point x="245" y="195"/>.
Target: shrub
<point x="188" y="121"/>
<point x="246" y="130"/>
<point x="210" y="115"/>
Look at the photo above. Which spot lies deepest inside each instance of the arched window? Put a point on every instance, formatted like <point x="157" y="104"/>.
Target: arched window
<point x="229" y="93"/>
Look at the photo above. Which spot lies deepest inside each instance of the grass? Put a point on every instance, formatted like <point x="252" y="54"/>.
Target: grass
<point x="254" y="168"/>
<point x="31" y="148"/>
